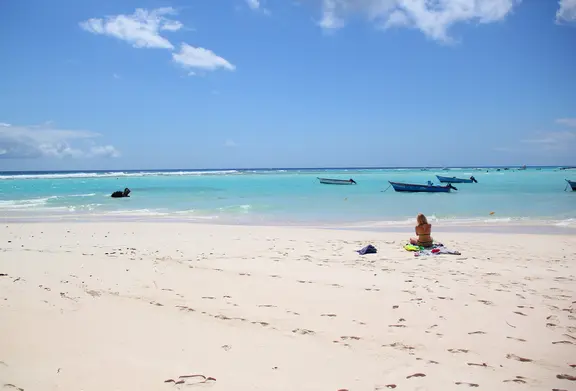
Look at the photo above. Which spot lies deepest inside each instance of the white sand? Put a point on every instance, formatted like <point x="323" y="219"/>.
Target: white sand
<point x="126" y="306"/>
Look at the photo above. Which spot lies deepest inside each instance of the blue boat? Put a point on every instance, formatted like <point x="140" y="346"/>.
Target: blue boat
<point x="429" y="188"/>
<point x="572" y="184"/>
<point x="327" y="181"/>
<point x="445" y="179"/>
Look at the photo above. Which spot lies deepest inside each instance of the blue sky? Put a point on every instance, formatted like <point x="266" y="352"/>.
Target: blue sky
<point x="107" y="84"/>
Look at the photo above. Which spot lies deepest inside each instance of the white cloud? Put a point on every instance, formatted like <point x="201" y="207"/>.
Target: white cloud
<point x="141" y="29"/>
<point x="433" y="17"/>
<point x="254" y="4"/>
<point x="196" y="57"/>
<point x="566" y="11"/>
<point x="44" y="141"/>
<point x="567" y="121"/>
<point x="230" y="143"/>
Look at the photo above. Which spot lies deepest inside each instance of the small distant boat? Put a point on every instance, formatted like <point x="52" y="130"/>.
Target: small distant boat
<point x="572" y="184"/>
<point x="414" y="188"/>
<point x="445" y="179"/>
<point x="327" y="181"/>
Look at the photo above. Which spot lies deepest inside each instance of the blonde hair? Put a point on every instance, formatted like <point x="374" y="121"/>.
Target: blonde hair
<point x="421" y="219"/>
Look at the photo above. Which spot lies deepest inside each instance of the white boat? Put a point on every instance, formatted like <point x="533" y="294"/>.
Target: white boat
<point x="327" y="181"/>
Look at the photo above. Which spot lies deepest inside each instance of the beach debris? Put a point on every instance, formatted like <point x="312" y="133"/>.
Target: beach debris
<point x="566" y="377"/>
<point x="518" y="358"/>
<point x="416" y="375"/>
<point x="3" y="275"/>
<point x="476" y="332"/>
<point x="563" y="342"/>
<point x="7" y="385"/>
<point x="477" y="365"/>
<point x="459" y="383"/>
<point x="226" y="347"/>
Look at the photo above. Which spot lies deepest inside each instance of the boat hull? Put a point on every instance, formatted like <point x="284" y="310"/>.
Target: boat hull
<point x="414" y="188"/>
<point x="572" y="184"/>
<point x="327" y="181"/>
<point x="444" y="179"/>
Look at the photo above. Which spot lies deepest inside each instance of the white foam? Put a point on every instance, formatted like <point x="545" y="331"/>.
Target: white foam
<point x="24" y="204"/>
<point x="117" y="174"/>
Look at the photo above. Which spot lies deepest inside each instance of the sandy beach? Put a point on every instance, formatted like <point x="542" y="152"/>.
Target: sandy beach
<point x="135" y="306"/>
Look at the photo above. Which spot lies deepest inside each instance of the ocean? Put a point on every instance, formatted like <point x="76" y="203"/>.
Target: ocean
<point x="292" y="196"/>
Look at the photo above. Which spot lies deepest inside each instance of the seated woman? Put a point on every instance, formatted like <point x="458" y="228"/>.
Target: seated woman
<point x="423" y="230"/>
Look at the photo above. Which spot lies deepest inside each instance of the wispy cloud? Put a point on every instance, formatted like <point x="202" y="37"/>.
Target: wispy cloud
<point x="566" y="12"/>
<point x="116" y="76"/>
<point x="21" y="142"/>
<point x="254" y="4"/>
<point x="563" y="140"/>
<point x="195" y="57"/>
<point x="566" y="121"/>
<point x="433" y="18"/>
<point x="141" y="29"/>
<point x="230" y="143"/>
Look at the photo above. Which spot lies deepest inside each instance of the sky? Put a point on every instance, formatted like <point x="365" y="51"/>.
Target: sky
<point x="159" y="84"/>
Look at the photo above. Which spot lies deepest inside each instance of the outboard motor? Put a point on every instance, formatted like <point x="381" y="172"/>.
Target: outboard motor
<point x="352" y="181"/>
<point x="452" y="187"/>
<point x="473" y="179"/>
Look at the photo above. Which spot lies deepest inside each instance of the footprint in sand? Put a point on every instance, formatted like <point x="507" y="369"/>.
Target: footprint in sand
<point x="520" y="313"/>
<point x="517" y="339"/>
<point x="329" y="315"/>
<point x="184" y="308"/>
<point x="416" y="375"/>
<point x="459" y="383"/>
<point x="458" y="350"/>
<point x="486" y="302"/>
<point x="267" y="306"/>
<point x="566" y="377"/>
<point x="303" y="331"/>
<point x="344" y="338"/>
<point x="476" y="332"/>
<point x="518" y="379"/>
<point x="472" y="364"/>
<point x="518" y="358"/>
<point x="400" y="346"/>
<point x="563" y="342"/>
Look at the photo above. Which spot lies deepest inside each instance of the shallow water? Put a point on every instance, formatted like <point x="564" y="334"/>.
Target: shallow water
<point x="294" y="196"/>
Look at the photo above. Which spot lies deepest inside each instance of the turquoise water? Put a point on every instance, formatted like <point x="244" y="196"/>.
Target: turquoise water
<point x="293" y="196"/>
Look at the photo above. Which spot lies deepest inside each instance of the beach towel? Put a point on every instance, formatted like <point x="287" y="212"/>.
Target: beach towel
<point x="436" y="249"/>
<point x="367" y="250"/>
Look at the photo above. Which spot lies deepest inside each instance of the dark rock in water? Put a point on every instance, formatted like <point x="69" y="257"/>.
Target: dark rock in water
<point x="121" y="194"/>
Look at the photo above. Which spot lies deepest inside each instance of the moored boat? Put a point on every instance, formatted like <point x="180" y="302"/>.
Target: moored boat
<point x="327" y="181"/>
<point x="417" y="188"/>
<point x="445" y="179"/>
<point x="572" y="184"/>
